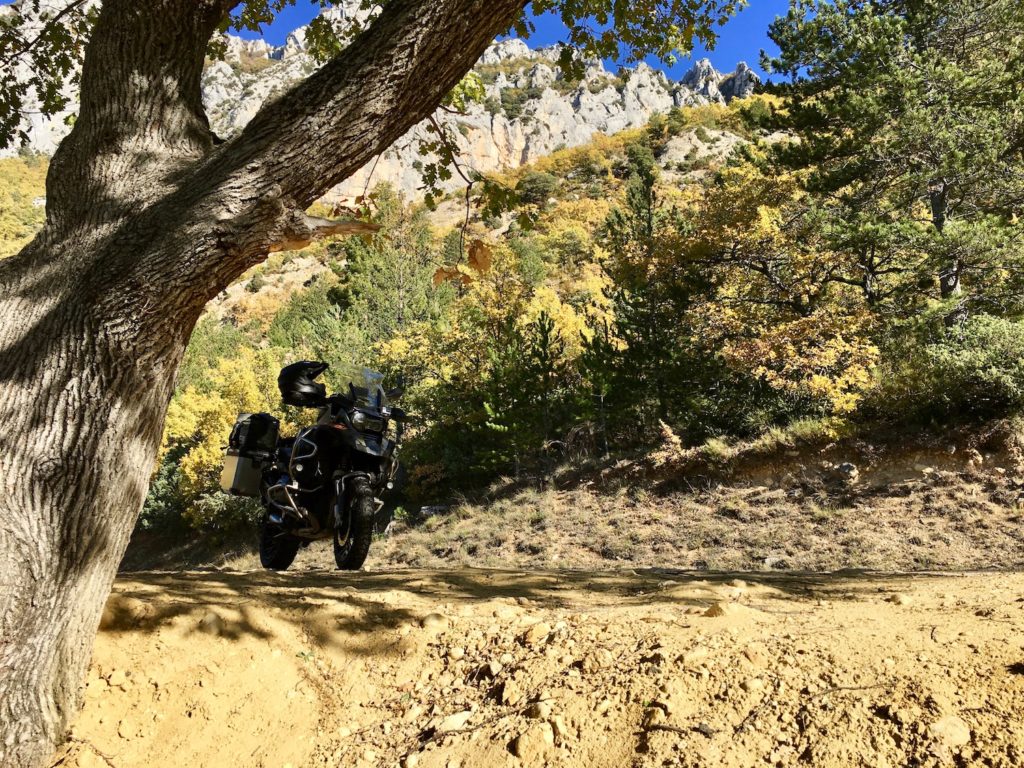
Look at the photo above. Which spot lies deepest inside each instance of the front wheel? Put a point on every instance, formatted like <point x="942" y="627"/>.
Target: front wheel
<point x="277" y="548"/>
<point x="352" y="546"/>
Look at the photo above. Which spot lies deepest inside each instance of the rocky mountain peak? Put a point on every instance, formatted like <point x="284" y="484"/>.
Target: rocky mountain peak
<point x="531" y="107"/>
<point x="711" y="85"/>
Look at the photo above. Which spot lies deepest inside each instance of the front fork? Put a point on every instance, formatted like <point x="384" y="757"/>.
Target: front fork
<point x="344" y="486"/>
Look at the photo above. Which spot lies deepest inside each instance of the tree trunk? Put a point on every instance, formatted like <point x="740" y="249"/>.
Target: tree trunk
<point x="85" y="390"/>
<point x="147" y="221"/>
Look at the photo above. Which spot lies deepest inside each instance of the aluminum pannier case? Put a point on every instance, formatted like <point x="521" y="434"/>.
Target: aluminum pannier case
<point x="250" y="447"/>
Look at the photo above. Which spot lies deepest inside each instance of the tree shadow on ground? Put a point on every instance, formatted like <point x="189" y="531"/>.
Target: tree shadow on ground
<point x="342" y="609"/>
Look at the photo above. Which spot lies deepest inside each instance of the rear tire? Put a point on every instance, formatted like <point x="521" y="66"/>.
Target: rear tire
<point x="350" y="554"/>
<point x="277" y="549"/>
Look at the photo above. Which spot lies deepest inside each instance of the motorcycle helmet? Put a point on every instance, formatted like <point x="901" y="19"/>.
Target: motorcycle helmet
<point x="298" y="387"/>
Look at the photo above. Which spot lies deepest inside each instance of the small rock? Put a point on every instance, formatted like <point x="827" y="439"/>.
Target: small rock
<point x="899" y="599"/>
<point x="603" y="706"/>
<point x="752" y="684"/>
<point x="532" y="745"/>
<point x="757" y="655"/>
<point x="654" y="716"/>
<point x="560" y="729"/>
<point x="506" y="612"/>
<point x="455" y="722"/>
<point x="600" y="659"/>
<point x="694" y="657"/>
<point x="950" y="731"/>
<point x="536" y="634"/>
<point x="434" y="621"/>
<point x="511" y="691"/>
<point x="411" y="760"/>
<point x="719" y="609"/>
<point x="456" y="653"/>
<point x="847" y="472"/>
<point x="117" y="679"/>
<point x="89" y="759"/>
<point x="706" y="730"/>
<point x="126" y="729"/>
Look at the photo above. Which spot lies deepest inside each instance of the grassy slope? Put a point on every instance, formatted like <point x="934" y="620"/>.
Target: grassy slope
<point x="951" y="501"/>
<point x="944" y="501"/>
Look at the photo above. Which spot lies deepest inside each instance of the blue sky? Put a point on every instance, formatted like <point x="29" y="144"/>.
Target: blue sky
<point x="741" y="39"/>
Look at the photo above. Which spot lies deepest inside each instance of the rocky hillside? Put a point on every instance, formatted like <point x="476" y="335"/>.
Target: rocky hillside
<point x="529" y="111"/>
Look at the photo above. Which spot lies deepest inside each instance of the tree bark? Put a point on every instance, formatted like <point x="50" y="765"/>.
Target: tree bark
<point x="146" y="221"/>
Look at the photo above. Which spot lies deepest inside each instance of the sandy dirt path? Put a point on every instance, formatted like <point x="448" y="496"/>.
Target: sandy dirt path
<point x="477" y="668"/>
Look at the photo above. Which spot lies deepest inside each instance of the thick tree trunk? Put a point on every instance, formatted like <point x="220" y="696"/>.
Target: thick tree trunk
<point x="83" y="403"/>
<point x="146" y="222"/>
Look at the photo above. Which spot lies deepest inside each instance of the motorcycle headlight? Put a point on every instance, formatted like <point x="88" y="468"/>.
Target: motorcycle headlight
<point x="367" y="423"/>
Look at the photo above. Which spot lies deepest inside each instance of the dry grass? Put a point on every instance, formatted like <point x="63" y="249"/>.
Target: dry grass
<point x="952" y="501"/>
<point x="774" y="504"/>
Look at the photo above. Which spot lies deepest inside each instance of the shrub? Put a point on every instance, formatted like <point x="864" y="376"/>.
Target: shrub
<point x="975" y="369"/>
<point x="256" y="283"/>
<point x="676" y="121"/>
<point x="536" y="188"/>
<point x="514" y="99"/>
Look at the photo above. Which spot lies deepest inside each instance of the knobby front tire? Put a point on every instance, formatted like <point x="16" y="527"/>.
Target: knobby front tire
<point x="351" y="553"/>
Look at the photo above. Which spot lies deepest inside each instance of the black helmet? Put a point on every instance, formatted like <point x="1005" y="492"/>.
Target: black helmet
<point x="298" y="387"/>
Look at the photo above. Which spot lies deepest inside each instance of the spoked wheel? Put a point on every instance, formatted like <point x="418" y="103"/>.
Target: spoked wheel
<point x="277" y="548"/>
<point x="353" y="545"/>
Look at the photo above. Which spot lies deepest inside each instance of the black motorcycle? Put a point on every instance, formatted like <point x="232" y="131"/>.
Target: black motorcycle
<point x="325" y="482"/>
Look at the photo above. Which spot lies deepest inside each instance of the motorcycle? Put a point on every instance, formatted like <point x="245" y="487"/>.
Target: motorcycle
<point x="326" y="482"/>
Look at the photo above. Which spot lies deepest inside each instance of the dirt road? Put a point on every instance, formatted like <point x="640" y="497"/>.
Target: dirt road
<point x="494" y="668"/>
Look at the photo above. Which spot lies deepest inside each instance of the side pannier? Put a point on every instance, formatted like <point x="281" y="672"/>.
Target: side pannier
<point x="251" y="446"/>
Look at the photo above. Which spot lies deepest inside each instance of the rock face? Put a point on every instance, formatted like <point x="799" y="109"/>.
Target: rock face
<point x="530" y="109"/>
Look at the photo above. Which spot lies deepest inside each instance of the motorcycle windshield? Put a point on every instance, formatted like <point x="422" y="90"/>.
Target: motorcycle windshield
<point x="364" y="385"/>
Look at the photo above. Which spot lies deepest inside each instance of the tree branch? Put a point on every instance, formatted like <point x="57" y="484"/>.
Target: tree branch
<point x="303" y="229"/>
<point x="392" y="76"/>
<point x="140" y="120"/>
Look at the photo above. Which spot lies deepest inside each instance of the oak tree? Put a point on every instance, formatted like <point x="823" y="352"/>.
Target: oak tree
<point x="147" y="219"/>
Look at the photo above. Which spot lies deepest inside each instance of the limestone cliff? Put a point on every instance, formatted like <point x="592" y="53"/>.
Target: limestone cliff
<point x="530" y="110"/>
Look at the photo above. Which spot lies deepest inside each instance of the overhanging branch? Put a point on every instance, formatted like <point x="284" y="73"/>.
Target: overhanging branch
<point x="304" y="229"/>
<point x="392" y="76"/>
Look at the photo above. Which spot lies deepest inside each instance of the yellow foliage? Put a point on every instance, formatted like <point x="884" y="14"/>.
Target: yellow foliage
<point x="569" y="324"/>
<point x="582" y="216"/>
<point x="598" y="152"/>
<point x="22" y="192"/>
<point x="201" y="420"/>
<point x="259" y="308"/>
<point x="480" y="316"/>
<point x="824" y="357"/>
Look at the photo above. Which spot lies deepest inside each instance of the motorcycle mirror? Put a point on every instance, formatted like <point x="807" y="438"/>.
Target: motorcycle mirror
<point x="394" y="394"/>
<point x="398" y="414"/>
